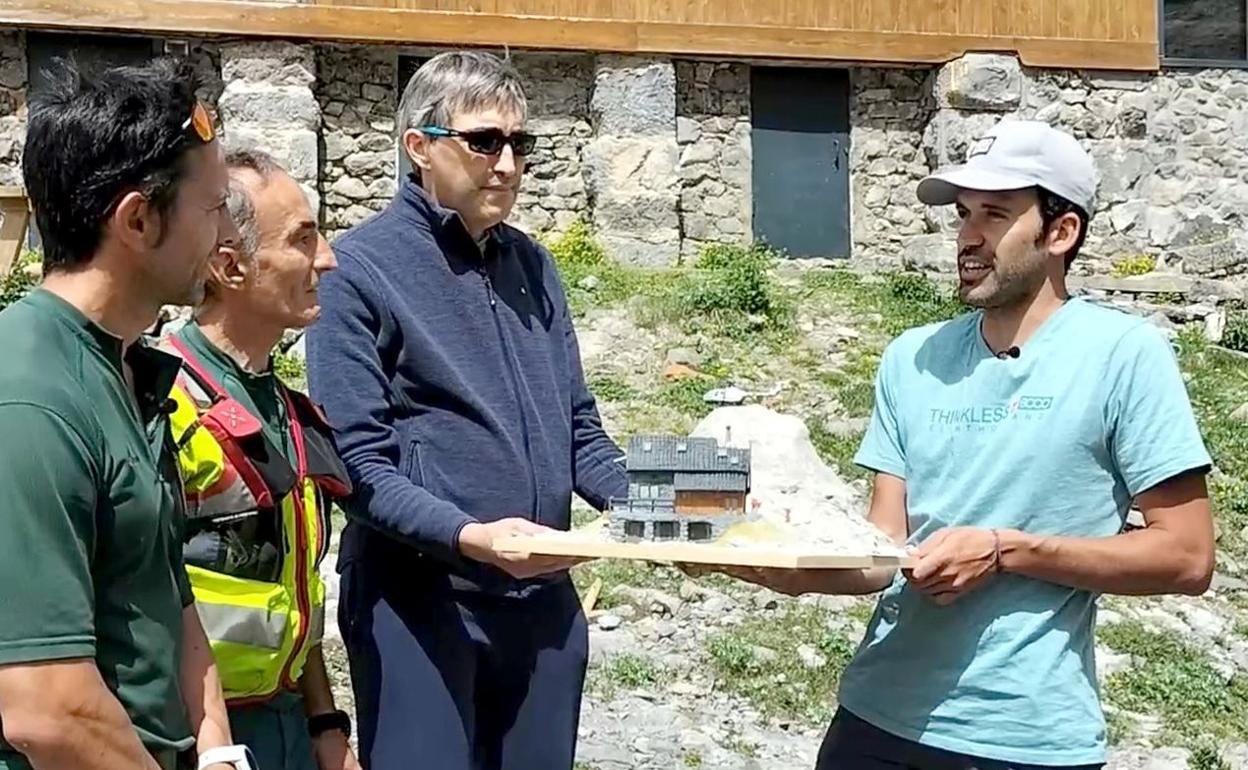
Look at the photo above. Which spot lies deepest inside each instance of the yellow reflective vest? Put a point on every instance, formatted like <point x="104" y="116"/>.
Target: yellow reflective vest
<point x="261" y="621"/>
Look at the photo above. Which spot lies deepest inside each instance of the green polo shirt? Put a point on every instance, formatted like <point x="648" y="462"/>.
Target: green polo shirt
<point x="257" y="393"/>
<point x="89" y="561"/>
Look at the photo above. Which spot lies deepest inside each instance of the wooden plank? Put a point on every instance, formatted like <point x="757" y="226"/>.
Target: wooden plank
<point x="974" y="17"/>
<point x="14" y="221"/>
<point x="897" y="47"/>
<point x="424" y="27"/>
<point x="1066" y="21"/>
<point x="693" y="553"/>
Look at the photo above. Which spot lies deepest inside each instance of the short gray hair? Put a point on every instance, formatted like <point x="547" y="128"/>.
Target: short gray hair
<point x="242" y="209"/>
<point x="238" y="200"/>
<point x="459" y="81"/>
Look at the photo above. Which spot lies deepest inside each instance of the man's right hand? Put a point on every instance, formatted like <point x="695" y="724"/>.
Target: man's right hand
<point x="476" y="541"/>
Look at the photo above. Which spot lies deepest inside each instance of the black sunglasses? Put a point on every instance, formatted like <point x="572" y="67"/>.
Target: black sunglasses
<point x="487" y="141"/>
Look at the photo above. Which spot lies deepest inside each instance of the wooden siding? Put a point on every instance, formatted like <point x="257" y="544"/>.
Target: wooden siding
<point x="1109" y="34"/>
<point x="710" y="503"/>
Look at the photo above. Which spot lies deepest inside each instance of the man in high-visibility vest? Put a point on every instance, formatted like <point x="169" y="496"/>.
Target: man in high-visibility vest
<point x="259" y="472"/>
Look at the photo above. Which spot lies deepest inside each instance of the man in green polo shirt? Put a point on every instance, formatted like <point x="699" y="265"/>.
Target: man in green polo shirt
<point x="103" y="661"/>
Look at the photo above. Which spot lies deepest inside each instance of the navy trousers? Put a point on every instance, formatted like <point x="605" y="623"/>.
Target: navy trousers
<point x="852" y="744"/>
<point x="459" y="680"/>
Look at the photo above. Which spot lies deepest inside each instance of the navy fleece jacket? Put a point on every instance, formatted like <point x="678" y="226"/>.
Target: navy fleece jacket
<point x="452" y="377"/>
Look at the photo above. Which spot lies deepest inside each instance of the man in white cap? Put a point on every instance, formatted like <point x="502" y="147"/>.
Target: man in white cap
<point x="1008" y="446"/>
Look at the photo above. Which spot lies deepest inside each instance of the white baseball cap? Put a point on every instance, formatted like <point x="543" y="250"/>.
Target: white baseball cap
<point x="1015" y="155"/>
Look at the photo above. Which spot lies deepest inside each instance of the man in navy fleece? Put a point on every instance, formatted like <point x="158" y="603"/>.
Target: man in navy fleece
<point x="446" y="360"/>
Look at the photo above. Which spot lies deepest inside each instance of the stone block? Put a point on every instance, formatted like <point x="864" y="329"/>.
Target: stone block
<point x="276" y="106"/>
<point x="981" y="82"/>
<point x="687" y="130"/>
<point x="568" y="187"/>
<point x="634" y="96"/>
<point x="296" y="150"/>
<point x="950" y="133"/>
<point x="376" y="142"/>
<point x="645" y="215"/>
<point x="12" y="71"/>
<point x="615" y="165"/>
<point x="338" y="145"/>
<point x="1128" y="217"/>
<point x="370" y="164"/>
<point x="383" y="188"/>
<point x="377" y="94"/>
<point x="934" y="253"/>
<point x="350" y="187"/>
<point x="556" y="84"/>
<point x="634" y="251"/>
<point x="1199" y="230"/>
<point x="273" y="62"/>
<point x="1163" y="226"/>
<point x="1225" y="256"/>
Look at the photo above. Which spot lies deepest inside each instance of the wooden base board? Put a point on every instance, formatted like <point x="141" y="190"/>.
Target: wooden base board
<point x="693" y="553"/>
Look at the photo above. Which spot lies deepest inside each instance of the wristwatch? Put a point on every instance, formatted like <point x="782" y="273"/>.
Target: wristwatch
<point x="332" y="720"/>
<point x="239" y="756"/>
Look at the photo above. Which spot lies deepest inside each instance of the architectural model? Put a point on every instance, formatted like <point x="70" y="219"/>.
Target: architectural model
<point x="681" y="488"/>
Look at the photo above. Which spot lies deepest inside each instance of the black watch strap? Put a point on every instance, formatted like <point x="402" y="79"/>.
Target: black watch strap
<point x="333" y="720"/>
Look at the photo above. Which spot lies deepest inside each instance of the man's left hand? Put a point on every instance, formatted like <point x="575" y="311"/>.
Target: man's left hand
<point x="954" y="562"/>
<point x="333" y="752"/>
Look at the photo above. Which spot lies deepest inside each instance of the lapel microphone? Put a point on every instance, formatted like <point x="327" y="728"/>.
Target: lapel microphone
<point x="1010" y="352"/>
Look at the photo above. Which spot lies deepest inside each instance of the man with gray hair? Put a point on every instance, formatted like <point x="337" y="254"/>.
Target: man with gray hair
<point x="448" y="365"/>
<point x="258" y="471"/>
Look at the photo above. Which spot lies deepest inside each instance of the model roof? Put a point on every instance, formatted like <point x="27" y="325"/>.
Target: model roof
<point x="685" y="454"/>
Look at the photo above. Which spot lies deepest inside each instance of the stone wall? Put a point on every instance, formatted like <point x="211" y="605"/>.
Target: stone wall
<point x="713" y="133"/>
<point x="355" y="87"/>
<point x="268" y="104"/>
<point x="1174" y="163"/>
<point x="1170" y="149"/>
<point x="634" y="189"/>
<point x="12" y="106"/>
<point x="205" y="56"/>
<point x="657" y="154"/>
<point x="888" y="111"/>
<point x="554" y="192"/>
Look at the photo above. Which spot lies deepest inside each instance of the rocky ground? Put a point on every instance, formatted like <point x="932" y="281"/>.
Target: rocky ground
<point x="710" y="673"/>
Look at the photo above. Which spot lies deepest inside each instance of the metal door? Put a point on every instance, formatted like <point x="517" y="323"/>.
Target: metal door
<point x="801" y="160"/>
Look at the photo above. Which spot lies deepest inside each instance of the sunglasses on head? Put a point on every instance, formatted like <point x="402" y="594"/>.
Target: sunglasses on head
<point x="199" y="124"/>
<point x="487" y="141"/>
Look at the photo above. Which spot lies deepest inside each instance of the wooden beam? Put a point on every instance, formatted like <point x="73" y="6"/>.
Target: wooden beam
<point x="892" y="47"/>
<point x="424" y="27"/>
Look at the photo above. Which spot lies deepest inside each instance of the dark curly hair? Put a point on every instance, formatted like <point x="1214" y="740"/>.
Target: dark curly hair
<point x="90" y="139"/>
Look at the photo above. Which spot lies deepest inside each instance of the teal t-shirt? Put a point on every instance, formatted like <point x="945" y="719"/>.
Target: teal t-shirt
<point x="1057" y="441"/>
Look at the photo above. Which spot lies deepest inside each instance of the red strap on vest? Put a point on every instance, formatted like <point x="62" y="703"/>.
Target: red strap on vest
<point x="235" y="419"/>
<point x="211" y="385"/>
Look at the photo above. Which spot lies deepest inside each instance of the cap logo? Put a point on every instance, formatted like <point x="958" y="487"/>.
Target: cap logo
<point x="981" y="146"/>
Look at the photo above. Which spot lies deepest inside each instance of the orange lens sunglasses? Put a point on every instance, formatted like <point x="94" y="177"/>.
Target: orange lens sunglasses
<point x="201" y="122"/>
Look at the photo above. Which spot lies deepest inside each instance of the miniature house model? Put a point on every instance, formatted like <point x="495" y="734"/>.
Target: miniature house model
<point x="681" y="488"/>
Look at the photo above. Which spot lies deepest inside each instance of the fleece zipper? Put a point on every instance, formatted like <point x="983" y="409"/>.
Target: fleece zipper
<point x="514" y="380"/>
